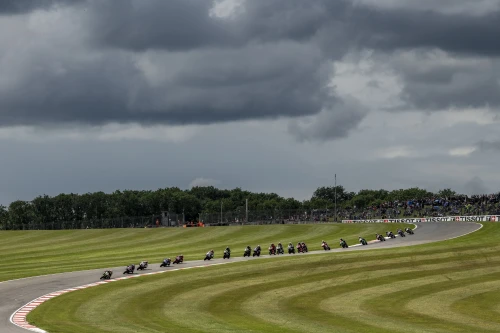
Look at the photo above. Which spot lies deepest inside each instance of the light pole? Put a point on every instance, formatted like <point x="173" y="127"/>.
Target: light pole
<point x="335" y="197"/>
<point x="221" y="212"/>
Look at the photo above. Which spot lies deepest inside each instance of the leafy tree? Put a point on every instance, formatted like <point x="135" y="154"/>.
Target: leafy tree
<point x="4" y="217"/>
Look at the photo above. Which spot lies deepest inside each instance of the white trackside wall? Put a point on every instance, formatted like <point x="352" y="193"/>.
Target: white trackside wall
<point x="483" y="218"/>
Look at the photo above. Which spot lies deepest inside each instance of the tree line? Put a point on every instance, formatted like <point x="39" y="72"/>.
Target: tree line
<point x="99" y="205"/>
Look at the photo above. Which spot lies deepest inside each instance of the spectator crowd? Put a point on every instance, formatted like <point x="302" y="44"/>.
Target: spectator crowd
<point x="460" y="205"/>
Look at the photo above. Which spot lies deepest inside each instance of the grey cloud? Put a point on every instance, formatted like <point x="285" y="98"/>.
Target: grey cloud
<point x="436" y="80"/>
<point x="333" y="123"/>
<point x="157" y="24"/>
<point x="170" y="62"/>
<point x="489" y="145"/>
<point x="283" y="79"/>
<point x="476" y="186"/>
<point x="10" y="7"/>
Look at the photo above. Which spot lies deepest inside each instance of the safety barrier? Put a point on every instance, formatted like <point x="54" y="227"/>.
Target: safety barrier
<point x="482" y="218"/>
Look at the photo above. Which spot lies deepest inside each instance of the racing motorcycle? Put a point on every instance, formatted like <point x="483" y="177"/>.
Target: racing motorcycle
<point x="363" y="241"/>
<point x="390" y="235"/>
<point x="226" y="255"/>
<point x="247" y="252"/>
<point x="256" y="252"/>
<point x="209" y="256"/>
<point x="409" y="231"/>
<point x="129" y="269"/>
<point x="178" y="260"/>
<point x="325" y="246"/>
<point x="106" y="275"/>
<point x="280" y="250"/>
<point x="142" y="266"/>
<point x="272" y="250"/>
<point x="381" y="238"/>
<point x="401" y="233"/>
<point x="165" y="263"/>
<point x="343" y="244"/>
<point x="291" y="249"/>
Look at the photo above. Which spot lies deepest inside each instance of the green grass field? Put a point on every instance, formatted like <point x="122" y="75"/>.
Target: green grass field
<point x="450" y="286"/>
<point x="35" y="253"/>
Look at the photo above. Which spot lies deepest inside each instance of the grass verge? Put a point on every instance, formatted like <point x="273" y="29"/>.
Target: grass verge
<point x="451" y="286"/>
<point x="33" y="253"/>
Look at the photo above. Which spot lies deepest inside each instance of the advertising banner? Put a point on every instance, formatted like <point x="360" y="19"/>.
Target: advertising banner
<point x="483" y="218"/>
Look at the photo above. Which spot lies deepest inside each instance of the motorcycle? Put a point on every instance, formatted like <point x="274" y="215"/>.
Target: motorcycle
<point x="178" y="260"/>
<point x="272" y="251"/>
<point x="401" y="233"/>
<point x="409" y="231"/>
<point x="325" y="246"/>
<point x="208" y="256"/>
<point x="363" y="241"/>
<point x="227" y="254"/>
<point x="280" y="251"/>
<point x="165" y="263"/>
<point x="344" y="245"/>
<point x="129" y="269"/>
<point x="256" y="253"/>
<point x="142" y="266"/>
<point x="247" y="253"/>
<point x="106" y="275"/>
<point x="291" y="250"/>
<point x="302" y="249"/>
<point x="391" y="235"/>
<point x="381" y="238"/>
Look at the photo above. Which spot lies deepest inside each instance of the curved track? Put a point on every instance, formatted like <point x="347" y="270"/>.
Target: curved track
<point x="16" y="293"/>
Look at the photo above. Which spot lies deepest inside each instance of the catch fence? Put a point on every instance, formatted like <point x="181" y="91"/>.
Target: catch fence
<point x="167" y="219"/>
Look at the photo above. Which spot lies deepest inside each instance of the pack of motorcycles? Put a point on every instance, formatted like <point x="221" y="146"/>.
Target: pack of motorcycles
<point x="273" y="250"/>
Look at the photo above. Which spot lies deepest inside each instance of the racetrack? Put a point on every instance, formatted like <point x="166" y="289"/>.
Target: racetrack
<point x="19" y="292"/>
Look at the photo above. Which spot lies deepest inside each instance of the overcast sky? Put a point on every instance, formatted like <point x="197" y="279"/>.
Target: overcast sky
<point x="267" y="95"/>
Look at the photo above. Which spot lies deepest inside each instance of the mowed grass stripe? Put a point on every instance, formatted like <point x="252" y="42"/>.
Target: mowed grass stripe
<point x="480" y="304"/>
<point x="366" y="291"/>
<point x="456" y="302"/>
<point x="44" y="252"/>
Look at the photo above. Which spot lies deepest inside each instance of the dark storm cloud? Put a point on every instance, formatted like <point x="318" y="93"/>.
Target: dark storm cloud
<point x="24" y="6"/>
<point x="456" y="82"/>
<point x="170" y="61"/>
<point x="157" y="24"/>
<point x="489" y="145"/>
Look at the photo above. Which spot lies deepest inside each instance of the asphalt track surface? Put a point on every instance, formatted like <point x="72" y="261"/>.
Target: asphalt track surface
<point x="16" y="293"/>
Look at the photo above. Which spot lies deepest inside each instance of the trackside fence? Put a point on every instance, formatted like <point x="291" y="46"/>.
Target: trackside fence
<point x="167" y="219"/>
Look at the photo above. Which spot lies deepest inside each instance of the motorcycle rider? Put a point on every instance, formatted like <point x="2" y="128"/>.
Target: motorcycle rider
<point x="107" y="274"/>
<point x="304" y="247"/>
<point x="166" y="262"/>
<point x="362" y="240"/>
<point x="280" y="248"/>
<point x="299" y="246"/>
<point x="408" y="230"/>
<point x="228" y="250"/>
<point x="248" y="249"/>
<point x="130" y="268"/>
<point x="342" y="242"/>
<point x="291" y="248"/>
<point x="272" y="247"/>
<point x="324" y="244"/>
